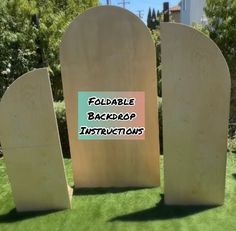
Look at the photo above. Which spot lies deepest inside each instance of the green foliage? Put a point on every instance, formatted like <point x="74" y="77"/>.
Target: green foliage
<point x="16" y="41"/>
<point x="232" y="145"/>
<point x="160" y="118"/>
<point x="222" y="28"/>
<point x="157" y="41"/>
<point x="59" y="108"/>
<point x="232" y="129"/>
<point x="30" y="34"/>
<point x="201" y="28"/>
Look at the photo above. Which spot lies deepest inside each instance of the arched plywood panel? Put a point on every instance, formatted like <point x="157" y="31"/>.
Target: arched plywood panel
<point x="196" y="94"/>
<point x="108" y="49"/>
<point x="31" y="145"/>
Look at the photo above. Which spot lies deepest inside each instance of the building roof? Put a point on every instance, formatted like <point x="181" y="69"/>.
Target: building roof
<point x="176" y="8"/>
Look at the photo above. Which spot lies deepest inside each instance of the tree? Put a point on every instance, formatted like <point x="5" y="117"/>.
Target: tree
<point x="154" y="14"/>
<point x="221" y="16"/>
<point x="152" y="20"/>
<point x="16" y="41"/>
<point x="149" y="18"/>
<point x="30" y="34"/>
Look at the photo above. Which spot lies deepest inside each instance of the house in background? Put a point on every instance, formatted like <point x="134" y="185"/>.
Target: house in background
<point x="175" y="13"/>
<point x="186" y="12"/>
<point x="192" y="11"/>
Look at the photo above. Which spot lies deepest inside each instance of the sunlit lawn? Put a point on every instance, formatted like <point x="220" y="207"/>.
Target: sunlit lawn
<point x="121" y="209"/>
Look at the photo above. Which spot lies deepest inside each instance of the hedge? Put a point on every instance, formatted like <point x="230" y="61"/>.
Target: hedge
<point x="59" y="108"/>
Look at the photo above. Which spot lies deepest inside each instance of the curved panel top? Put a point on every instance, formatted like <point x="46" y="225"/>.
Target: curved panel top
<point x="23" y="79"/>
<point x="105" y="12"/>
<point x="176" y="33"/>
<point x="26" y="110"/>
<point x="107" y="41"/>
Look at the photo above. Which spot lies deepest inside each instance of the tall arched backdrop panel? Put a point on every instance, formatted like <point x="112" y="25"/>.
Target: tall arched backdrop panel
<point x="108" y="52"/>
<point x="196" y="94"/>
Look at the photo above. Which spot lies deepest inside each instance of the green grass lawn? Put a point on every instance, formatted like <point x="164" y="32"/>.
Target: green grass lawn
<point x="121" y="209"/>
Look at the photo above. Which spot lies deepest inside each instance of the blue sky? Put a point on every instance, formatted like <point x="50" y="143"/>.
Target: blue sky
<point x="144" y="5"/>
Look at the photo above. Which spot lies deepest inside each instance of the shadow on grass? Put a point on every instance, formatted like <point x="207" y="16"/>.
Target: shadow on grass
<point x="161" y="212"/>
<point x="234" y="175"/>
<point x="14" y="216"/>
<point x="100" y="191"/>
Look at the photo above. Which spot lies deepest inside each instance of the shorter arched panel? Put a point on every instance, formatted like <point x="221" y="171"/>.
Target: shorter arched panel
<point x="31" y="144"/>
